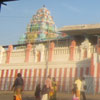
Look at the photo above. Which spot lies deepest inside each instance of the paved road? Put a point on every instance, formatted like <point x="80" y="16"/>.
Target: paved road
<point x="30" y="96"/>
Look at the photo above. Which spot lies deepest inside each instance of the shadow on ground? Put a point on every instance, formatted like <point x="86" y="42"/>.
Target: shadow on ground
<point x="29" y="95"/>
<point x="63" y="96"/>
<point x="28" y="98"/>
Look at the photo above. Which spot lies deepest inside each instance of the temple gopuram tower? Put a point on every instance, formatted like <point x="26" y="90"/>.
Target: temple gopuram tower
<point x="41" y="26"/>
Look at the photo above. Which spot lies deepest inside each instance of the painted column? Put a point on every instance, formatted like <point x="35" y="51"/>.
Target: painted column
<point x="72" y="50"/>
<point x="50" y="54"/>
<point x="9" y="51"/>
<point x="28" y="49"/>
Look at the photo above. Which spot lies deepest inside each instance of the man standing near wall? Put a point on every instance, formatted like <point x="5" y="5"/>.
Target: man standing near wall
<point x="17" y="87"/>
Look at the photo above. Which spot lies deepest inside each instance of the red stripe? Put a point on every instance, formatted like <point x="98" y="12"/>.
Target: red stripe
<point x="50" y="72"/>
<point x="44" y="72"/>
<point x="55" y="72"/>
<point x="11" y="73"/>
<point x="59" y="81"/>
<point x="2" y="73"/>
<point x="64" y="79"/>
<point x="44" y="76"/>
<point x="70" y="77"/>
<point x="81" y="72"/>
<point x="40" y="75"/>
<point x="21" y="70"/>
<point x="30" y="72"/>
<point x="29" y="79"/>
<point x="87" y="71"/>
<point x="6" y="78"/>
<point x="34" y="79"/>
<point x="25" y="75"/>
<point x="16" y="72"/>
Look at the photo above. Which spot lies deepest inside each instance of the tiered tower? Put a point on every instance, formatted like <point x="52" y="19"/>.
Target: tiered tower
<point x="41" y="27"/>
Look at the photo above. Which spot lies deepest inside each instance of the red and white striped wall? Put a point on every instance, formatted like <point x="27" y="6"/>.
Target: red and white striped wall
<point x="64" y="77"/>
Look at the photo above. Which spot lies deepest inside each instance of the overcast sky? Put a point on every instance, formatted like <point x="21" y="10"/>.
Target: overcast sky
<point x="16" y="15"/>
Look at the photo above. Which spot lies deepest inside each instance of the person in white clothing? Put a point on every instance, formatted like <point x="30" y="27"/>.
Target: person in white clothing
<point x="44" y="93"/>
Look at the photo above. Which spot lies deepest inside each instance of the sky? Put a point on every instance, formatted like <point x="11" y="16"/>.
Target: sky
<point x="15" y="17"/>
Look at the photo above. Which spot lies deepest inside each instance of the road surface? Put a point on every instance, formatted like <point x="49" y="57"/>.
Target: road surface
<point x="8" y="95"/>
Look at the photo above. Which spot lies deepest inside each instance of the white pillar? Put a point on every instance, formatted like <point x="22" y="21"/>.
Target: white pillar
<point x="1" y="53"/>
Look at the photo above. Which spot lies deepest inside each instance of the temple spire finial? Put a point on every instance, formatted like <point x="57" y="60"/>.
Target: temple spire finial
<point x="43" y="5"/>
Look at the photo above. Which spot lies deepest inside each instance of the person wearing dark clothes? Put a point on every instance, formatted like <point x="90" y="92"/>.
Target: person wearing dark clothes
<point x="18" y="87"/>
<point x="38" y="92"/>
<point x="44" y="93"/>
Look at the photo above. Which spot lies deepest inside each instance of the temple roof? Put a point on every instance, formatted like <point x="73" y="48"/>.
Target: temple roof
<point x="42" y="21"/>
<point x="42" y="25"/>
<point x="93" y="29"/>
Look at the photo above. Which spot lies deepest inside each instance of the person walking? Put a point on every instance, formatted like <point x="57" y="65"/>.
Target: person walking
<point x="18" y="87"/>
<point x="48" y="84"/>
<point x="83" y="88"/>
<point x="38" y="92"/>
<point x="53" y="90"/>
<point x="44" y="93"/>
<point x="78" y="84"/>
<point x="75" y="92"/>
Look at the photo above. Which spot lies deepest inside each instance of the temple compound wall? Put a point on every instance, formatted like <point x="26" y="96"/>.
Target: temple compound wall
<point x="63" y="63"/>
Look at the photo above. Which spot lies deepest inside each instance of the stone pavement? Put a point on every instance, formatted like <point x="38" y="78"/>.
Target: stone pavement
<point x="8" y="95"/>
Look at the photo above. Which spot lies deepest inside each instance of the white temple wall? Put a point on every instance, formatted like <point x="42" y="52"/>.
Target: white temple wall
<point x="4" y="58"/>
<point x="59" y="54"/>
<point x="60" y="67"/>
<point x="17" y="56"/>
<point x="34" y="72"/>
<point x="32" y="58"/>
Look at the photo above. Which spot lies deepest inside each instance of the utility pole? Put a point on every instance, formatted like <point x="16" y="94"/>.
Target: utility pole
<point x="46" y="58"/>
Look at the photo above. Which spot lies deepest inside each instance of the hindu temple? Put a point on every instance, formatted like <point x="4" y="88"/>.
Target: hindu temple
<point x="65" y="53"/>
